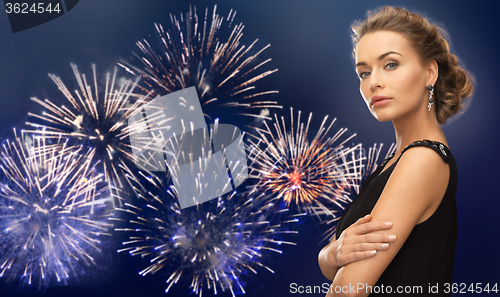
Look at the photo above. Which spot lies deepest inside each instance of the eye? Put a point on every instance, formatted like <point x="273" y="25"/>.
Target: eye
<point x="392" y="64"/>
<point x="395" y="64"/>
<point x="361" y="74"/>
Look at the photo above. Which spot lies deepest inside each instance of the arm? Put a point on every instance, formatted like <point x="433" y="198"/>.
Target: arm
<point x="417" y="184"/>
<point x="355" y="243"/>
<point x="327" y="266"/>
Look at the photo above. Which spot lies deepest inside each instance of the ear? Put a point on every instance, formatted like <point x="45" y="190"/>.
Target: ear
<point x="432" y="73"/>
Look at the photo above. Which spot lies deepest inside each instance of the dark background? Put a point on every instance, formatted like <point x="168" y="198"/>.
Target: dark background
<point x="311" y="47"/>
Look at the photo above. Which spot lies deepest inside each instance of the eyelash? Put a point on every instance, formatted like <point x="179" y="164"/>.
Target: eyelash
<point x="391" y="63"/>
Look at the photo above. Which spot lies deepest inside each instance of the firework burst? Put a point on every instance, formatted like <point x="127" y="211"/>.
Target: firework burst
<point x="52" y="214"/>
<point x="211" y="246"/>
<point x="307" y="174"/>
<point x="208" y="54"/>
<point x="97" y="118"/>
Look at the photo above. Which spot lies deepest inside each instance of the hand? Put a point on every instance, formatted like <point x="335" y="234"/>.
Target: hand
<point x="355" y="243"/>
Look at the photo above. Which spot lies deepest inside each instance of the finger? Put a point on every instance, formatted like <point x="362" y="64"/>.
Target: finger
<point x="362" y="220"/>
<point x="363" y="247"/>
<point x="370" y="238"/>
<point x="371" y="226"/>
<point x="356" y="256"/>
<point x="379" y="238"/>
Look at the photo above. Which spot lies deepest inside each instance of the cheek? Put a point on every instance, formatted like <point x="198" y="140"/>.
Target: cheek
<point x="408" y="84"/>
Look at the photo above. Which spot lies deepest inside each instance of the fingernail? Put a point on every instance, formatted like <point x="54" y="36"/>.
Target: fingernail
<point x="384" y="245"/>
<point x="392" y="237"/>
<point x="373" y="252"/>
<point x="388" y="223"/>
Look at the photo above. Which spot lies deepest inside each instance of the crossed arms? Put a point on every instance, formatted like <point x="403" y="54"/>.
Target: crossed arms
<point x="412" y="194"/>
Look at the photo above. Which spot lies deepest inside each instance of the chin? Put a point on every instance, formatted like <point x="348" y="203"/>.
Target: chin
<point x="382" y="117"/>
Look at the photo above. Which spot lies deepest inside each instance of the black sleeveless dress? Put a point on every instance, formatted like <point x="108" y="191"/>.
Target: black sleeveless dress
<point x="426" y="258"/>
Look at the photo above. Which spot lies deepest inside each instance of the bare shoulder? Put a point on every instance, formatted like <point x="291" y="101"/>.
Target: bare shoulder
<point x="423" y="160"/>
<point x="419" y="181"/>
<point x="425" y="165"/>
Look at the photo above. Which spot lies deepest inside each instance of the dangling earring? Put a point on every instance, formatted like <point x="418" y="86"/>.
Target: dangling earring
<point x="431" y="89"/>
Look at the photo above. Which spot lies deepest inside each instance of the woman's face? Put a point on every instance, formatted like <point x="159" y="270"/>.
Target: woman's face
<point x="387" y="66"/>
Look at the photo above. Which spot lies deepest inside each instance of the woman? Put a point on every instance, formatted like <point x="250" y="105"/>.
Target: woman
<point x="399" y="234"/>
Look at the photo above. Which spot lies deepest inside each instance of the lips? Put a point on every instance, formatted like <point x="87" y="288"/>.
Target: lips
<point x="378" y="98"/>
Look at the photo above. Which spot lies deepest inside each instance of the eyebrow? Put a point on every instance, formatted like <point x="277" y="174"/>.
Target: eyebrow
<point x="379" y="58"/>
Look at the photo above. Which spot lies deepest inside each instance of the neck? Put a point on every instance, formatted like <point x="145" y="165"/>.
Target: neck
<point x="419" y="125"/>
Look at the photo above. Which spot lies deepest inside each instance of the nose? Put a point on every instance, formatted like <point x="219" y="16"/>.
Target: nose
<point x="375" y="81"/>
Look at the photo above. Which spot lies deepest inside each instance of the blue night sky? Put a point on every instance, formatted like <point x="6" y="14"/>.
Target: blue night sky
<point x="311" y="48"/>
